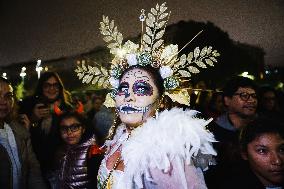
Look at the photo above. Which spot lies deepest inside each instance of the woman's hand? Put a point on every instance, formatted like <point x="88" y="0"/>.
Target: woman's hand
<point x="25" y="121"/>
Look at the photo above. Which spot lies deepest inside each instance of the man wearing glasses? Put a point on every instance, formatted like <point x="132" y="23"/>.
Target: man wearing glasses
<point x="19" y="167"/>
<point x="240" y="100"/>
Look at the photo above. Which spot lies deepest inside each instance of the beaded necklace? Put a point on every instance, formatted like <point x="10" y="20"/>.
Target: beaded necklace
<point x="118" y="160"/>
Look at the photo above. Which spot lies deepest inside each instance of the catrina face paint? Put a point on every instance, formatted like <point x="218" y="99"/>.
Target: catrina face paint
<point x="136" y="98"/>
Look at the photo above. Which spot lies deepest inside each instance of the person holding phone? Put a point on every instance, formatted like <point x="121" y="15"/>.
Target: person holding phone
<point x="39" y="108"/>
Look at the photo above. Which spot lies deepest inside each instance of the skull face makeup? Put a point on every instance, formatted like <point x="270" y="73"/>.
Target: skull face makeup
<point x="137" y="96"/>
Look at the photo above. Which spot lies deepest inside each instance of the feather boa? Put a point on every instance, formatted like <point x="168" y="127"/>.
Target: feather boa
<point x="174" y="133"/>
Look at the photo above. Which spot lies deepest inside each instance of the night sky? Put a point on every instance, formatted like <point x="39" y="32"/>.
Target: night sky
<point x="38" y="29"/>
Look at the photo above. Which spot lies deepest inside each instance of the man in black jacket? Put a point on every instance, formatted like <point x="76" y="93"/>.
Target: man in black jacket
<point x="240" y="100"/>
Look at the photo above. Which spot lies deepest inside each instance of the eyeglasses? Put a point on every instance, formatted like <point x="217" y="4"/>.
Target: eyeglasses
<point x="245" y="96"/>
<point x="72" y="128"/>
<point x="50" y="85"/>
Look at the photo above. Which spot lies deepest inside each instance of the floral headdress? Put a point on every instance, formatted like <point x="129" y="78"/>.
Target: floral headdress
<point x="151" y="52"/>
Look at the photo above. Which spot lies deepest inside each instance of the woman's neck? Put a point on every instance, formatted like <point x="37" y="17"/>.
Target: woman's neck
<point x="131" y="128"/>
<point x="237" y="121"/>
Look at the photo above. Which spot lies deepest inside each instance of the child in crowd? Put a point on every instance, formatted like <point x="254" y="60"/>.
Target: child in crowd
<point x="74" y="166"/>
<point x="262" y="149"/>
<point x="262" y="146"/>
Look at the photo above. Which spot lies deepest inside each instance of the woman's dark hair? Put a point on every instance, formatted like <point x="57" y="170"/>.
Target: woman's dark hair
<point x="43" y="78"/>
<point x="153" y="72"/>
<point x="86" y="124"/>
<point x="257" y="128"/>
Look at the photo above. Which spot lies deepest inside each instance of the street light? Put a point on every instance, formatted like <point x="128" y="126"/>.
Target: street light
<point x="246" y="74"/>
<point x="23" y="73"/>
<point x="4" y="75"/>
<point x="38" y="68"/>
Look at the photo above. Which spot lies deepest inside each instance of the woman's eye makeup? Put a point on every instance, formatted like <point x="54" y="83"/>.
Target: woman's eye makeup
<point x="123" y="88"/>
<point x="142" y="88"/>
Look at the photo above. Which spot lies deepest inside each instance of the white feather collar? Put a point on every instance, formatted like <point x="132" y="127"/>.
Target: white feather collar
<point x="174" y="133"/>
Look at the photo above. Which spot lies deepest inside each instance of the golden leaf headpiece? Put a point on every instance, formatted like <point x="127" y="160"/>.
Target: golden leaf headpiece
<point x="150" y="52"/>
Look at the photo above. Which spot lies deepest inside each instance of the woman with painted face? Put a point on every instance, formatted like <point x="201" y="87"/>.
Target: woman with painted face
<point x="74" y="165"/>
<point x="145" y="150"/>
<point x="138" y="95"/>
<point x="146" y="147"/>
<point x="40" y="110"/>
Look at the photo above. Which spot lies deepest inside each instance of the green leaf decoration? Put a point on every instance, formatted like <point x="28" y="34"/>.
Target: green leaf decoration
<point x="189" y="57"/>
<point x="149" y="31"/>
<point x="200" y="58"/>
<point x="201" y="64"/>
<point x="160" y="34"/>
<point x="193" y="69"/>
<point x="155" y="28"/>
<point x="203" y="52"/>
<point x="161" y="24"/>
<point x="111" y="34"/>
<point x="88" y="78"/>
<point x="196" y="52"/>
<point x="149" y="22"/>
<point x="80" y="75"/>
<point x="104" y="71"/>
<point x="184" y="73"/>
<point x="209" y="50"/>
<point x="147" y="39"/>
<point x="209" y="62"/>
<point x="91" y="74"/>
<point x="153" y="11"/>
<point x="158" y="44"/>
<point x="215" y="53"/>
<point x="95" y="80"/>
<point x="213" y="59"/>
<point x="164" y="15"/>
<point x="163" y="7"/>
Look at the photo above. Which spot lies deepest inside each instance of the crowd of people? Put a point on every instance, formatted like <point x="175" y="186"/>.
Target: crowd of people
<point x="49" y="141"/>
<point x="143" y="133"/>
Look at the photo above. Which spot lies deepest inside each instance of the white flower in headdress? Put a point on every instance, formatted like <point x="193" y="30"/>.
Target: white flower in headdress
<point x="170" y="52"/>
<point x="130" y="47"/>
<point x="166" y="71"/>
<point x="131" y="59"/>
<point x="114" y="82"/>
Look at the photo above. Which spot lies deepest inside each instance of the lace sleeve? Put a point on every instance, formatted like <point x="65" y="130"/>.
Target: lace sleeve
<point x="180" y="176"/>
